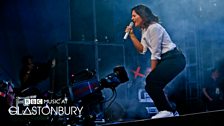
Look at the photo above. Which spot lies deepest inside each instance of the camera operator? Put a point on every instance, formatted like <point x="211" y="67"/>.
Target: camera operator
<point x="33" y="76"/>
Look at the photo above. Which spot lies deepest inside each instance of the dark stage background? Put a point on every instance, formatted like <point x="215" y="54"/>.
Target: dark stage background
<point x="88" y="34"/>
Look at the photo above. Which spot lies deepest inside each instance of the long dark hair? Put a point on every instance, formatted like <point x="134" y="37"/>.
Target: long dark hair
<point x="146" y="14"/>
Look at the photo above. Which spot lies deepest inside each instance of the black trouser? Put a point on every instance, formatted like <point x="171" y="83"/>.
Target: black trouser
<point x="170" y="65"/>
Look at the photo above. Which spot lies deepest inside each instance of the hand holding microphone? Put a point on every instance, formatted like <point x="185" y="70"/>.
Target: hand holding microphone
<point x="127" y="30"/>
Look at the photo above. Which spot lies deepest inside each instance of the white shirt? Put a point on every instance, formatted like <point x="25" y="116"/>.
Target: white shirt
<point x="157" y="40"/>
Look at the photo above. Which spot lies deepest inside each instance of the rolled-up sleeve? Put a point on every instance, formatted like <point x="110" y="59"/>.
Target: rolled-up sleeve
<point x="155" y="35"/>
<point x="144" y="44"/>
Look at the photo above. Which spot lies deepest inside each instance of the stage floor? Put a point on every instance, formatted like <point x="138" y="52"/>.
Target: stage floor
<point x="201" y="118"/>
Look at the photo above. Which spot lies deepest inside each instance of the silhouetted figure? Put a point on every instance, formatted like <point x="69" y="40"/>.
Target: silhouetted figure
<point x="212" y="92"/>
<point x="34" y="77"/>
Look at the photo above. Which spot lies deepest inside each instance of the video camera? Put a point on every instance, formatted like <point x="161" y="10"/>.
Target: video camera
<point x="85" y="82"/>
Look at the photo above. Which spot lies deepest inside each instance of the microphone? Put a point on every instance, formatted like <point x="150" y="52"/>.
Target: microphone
<point x="127" y="33"/>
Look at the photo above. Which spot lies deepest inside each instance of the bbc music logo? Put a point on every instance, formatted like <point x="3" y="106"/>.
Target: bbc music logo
<point x="33" y="101"/>
<point x="33" y="106"/>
